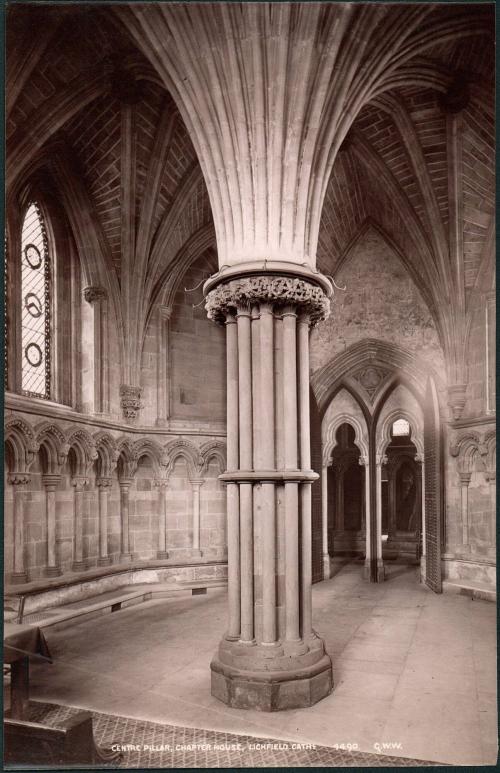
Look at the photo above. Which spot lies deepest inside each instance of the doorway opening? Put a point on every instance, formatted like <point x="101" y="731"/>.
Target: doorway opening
<point x="346" y="495"/>
<point x="402" y="498"/>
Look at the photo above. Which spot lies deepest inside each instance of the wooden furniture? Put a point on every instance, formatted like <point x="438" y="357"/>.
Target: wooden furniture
<point x="22" y="642"/>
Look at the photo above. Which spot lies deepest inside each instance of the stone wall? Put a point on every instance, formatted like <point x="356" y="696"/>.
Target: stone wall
<point x="380" y="301"/>
<point x="197" y="352"/>
<point x="173" y="460"/>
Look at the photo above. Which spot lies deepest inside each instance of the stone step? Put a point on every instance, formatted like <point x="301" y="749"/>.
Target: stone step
<point x="474" y="590"/>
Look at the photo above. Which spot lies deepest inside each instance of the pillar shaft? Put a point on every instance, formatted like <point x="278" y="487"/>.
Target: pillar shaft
<point x="233" y="514"/>
<point x="265" y="458"/>
<point x="103" y="486"/>
<point x="292" y="595"/>
<point x="78" y="503"/>
<point x="368" y="523"/>
<point x="50" y="483"/>
<point x="464" y="494"/>
<point x="19" y="482"/>
<point x="196" y="484"/>
<point x="324" y="523"/>
<point x="245" y="459"/>
<point x="124" y="518"/>
<point x="305" y="488"/>
<point x="163" y="370"/>
<point x="269" y="496"/>
<point x="380" y="563"/>
<point x="162" y="519"/>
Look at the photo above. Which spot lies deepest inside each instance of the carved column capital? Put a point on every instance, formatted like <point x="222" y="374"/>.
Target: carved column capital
<point x="130" y="400"/>
<point x="456" y="399"/>
<point x="50" y="481"/>
<point x="465" y="478"/>
<point x="93" y="294"/>
<point x="79" y="482"/>
<point x="125" y="483"/>
<point x="19" y="478"/>
<point x="104" y="482"/>
<point x="283" y="292"/>
<point x="161" y="483"/>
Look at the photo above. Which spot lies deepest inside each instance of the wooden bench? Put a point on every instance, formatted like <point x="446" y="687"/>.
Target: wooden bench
<point x="31" y="743"/>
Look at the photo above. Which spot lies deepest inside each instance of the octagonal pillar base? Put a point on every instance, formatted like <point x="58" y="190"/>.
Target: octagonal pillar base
<point x="271" y="683"/>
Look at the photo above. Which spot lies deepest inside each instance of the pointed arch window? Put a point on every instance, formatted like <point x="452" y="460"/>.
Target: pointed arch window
<point x="36" y="304"/>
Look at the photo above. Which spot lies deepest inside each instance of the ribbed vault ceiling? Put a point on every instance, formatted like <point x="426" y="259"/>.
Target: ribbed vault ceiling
<point x="423" y="175"/>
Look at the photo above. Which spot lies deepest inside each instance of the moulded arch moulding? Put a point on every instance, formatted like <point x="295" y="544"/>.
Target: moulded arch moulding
<point x="186" y="450"/>
<point x="360" y="436"/>
<point x="20" y="437"/>
<point x="150" y="449"/>
<point x="490" y="445"/>
<point x="370" y="352"/>
<point x="53" y="440"/>
<point x="213" y="449"/>
<point x="83" y="446"/>
<point x="467" y="450"/>
<point x="383" y="432"/>
<point x="127" y="459"/>
<point x="107" y="454"/>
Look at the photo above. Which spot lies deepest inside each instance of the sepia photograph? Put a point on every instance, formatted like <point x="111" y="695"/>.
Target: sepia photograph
<point x="249" y="498"/>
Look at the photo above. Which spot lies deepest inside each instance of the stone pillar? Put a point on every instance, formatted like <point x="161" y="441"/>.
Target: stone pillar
<point x="163" y="370"/>
<point x="19" y="482"/>
<point x="380" y="460"/>
<point x="324" y="510"/>
<point x="196" y="484"/>
<point x="340" y="468"/>
<point x="78" y="483"/>
<point x="50" y="483"/>
<point x="162" y="484"/>
<point x="97" y="297"/>
<point x="491" y="477"/>
<point x="125" y="483"/>
<point x="464" y="496"/>
<point x="233" y="507"/>
<point x="103" y="486"/>
<point x="303" y="327"/>
<point x="277" y="662"/>
<point x="368" y="522"/>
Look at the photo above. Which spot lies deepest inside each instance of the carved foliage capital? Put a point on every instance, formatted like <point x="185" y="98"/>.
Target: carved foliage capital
<point x="19" y="478"/>
<point x="130" y="399"/>
<point x="280" y="291"/>
<point x="93" y="294"/>
<point x="103" y="482"/>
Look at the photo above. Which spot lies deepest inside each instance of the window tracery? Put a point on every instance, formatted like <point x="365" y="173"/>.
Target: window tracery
<point x="36" y="301"/>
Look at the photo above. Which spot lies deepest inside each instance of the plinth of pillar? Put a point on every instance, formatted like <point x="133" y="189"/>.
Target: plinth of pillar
<point x="125" y="557"/>
<point x="104" y="561"/>
<point x="162" y="555"/>
<point x="78" y="566"/>
<point x="52" y="571"/>
<point x="18" y="578"/>
<point x="246" y="676"/>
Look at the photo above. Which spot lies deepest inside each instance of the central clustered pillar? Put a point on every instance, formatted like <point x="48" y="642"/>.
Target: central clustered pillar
<point x="270" y="657"/>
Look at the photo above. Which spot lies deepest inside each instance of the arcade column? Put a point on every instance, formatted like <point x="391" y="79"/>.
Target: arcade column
<point x="270" y="657"/>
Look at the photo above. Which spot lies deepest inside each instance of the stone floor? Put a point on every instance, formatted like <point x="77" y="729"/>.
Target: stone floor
<point x="155" y="745"/>
<point x="415" y="673"/>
